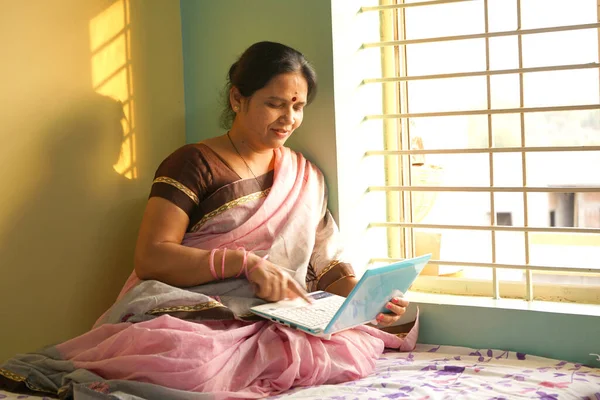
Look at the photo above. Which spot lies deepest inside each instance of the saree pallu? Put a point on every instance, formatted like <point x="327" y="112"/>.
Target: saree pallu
<point x="158" y="341"/>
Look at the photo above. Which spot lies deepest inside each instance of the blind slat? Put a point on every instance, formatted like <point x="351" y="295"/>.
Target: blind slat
<point x="482" y="35"/>
<point x="580" y="107"/>
<point x="565" y="67"/>
<point x="488" y="189"/>
<point x="484" y="228"/>
<point x="499" y="265"/>
<point x="485" y="150"/>
<point x="407" y="5"/>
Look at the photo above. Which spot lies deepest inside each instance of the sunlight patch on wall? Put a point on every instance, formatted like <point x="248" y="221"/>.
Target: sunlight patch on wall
<point x="110" y="44"/>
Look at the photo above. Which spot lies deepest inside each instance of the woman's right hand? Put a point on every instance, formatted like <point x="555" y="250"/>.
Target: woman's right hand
<point x="271" y="283"/>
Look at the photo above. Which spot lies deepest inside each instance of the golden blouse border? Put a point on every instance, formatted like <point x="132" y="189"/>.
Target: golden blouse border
<point x="328" y="268"/>
<point x="193" y="308"/>
<point x="19" y="378"/>
<point x="228" y="206"/>
<point x="178" y="185"/>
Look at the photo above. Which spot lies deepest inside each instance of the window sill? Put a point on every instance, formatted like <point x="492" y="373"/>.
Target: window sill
<point x="505" y="304"/>
<point x="557" y="292"/>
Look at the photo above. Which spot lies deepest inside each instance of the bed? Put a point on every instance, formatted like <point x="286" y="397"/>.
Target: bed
<point x="446" y="372"/>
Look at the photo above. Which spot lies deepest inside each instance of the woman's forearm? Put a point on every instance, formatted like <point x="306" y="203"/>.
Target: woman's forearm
<point x="342" y="287"/>
<point x="183" y="266"/>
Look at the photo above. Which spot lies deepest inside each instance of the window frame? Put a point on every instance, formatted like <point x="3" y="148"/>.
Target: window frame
<point x="397" y="156"/>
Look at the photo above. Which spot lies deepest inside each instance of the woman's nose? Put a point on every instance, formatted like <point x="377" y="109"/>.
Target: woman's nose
<point x="287" y="116"/>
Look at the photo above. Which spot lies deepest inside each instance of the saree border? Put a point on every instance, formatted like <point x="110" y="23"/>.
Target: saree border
<point x="228" y="206"/>
<point x="193" y="308"/>
<point x="21" y="379"/>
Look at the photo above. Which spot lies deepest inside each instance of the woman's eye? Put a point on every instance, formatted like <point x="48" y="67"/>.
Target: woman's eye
<point x="274" y="105"/>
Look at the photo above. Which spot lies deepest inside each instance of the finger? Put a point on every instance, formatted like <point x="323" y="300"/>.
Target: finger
<point x="262" y="290"/>
<point x="272" y="296"/>
<point x="398" y="310"/>
<point x="265" y="287"/>
<point x="295" y="288"/>
<point x="283" y="287"/>
<point x="400" y="301"/>
<point x="276" y="292"/>
<point x="387" y="319"/>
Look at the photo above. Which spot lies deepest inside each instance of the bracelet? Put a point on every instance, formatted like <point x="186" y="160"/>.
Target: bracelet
<point x="211" y="263"/>
<point x="339" y="279"/>
<point x="244" y="261"/>
<point x="244" y="268"/>
<point x="223" y="264"/>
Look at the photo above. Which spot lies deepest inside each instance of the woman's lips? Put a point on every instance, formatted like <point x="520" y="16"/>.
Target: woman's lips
<point x="282" y="133"/>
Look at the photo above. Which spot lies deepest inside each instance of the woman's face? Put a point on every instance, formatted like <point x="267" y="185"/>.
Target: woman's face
<point x="268" y="118"/>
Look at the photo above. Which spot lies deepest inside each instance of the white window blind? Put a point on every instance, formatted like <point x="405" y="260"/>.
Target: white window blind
<point x="491" y="144"/>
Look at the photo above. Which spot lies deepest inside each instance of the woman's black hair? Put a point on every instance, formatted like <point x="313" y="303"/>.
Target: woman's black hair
<point x="260" y="63"/>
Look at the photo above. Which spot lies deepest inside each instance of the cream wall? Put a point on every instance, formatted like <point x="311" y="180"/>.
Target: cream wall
<point x="68" y="217"/>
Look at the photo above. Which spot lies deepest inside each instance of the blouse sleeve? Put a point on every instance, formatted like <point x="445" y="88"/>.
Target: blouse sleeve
<point x="179" y="180"/>
<point x="326" y="264"/>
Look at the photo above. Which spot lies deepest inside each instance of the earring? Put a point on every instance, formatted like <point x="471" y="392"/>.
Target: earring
<point x="236" y="108"/>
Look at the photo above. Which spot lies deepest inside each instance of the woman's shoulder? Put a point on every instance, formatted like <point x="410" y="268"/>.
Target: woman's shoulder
<point x="301" y="158"/>
<point x="188" y="151"/>
<point x="191" y="153"/>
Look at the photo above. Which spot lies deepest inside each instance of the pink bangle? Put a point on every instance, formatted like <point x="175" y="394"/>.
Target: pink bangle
<point x="244" y="261"/>
<point x="211" y="263"/>
<point x="223" y="264"/>
<point x="244" y="269"/>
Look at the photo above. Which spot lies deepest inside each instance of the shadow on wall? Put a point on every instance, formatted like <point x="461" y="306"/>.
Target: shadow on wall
<point x="68" y="214"/>
<point x="69" y="246"/>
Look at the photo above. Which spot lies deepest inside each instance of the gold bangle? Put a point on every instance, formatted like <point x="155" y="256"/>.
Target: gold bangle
<point x="339" y="279"/>
<point x="329" y="266"/>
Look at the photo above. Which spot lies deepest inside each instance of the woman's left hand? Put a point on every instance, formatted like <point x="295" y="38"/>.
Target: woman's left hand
<point x="397" y="306"/>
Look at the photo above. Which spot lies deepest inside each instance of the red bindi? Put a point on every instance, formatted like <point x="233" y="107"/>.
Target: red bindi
<point x="294" y="98"/>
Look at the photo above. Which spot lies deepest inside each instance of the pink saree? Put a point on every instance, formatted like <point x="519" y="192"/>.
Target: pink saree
<point x="160" y="337"/>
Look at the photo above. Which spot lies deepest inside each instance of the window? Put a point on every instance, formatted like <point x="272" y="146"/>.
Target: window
<point x="491" y="144"/>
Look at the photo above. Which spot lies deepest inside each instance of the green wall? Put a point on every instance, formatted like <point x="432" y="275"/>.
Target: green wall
<point x="216" y="32"/>
<point x="547" y="334"/>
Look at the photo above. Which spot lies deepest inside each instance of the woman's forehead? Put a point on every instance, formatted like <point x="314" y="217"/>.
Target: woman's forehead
<point x="288" y="85"/>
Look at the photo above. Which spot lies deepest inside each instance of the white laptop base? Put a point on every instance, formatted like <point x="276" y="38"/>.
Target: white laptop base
<point x="297" y="314"/>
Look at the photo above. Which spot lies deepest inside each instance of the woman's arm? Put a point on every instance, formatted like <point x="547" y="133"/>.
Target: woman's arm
<point x="342" y="287"/>
<point x="159" y="254"/>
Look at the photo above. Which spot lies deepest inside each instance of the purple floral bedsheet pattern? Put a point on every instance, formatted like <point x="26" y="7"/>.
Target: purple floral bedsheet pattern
<point x="447" y="372"/>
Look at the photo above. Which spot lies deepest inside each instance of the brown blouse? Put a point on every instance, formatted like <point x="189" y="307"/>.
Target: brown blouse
<point x="198" y="180"/>
<point x="191" y="178"/>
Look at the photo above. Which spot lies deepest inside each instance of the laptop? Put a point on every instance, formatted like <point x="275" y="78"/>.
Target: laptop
<point x="331" y="313"/>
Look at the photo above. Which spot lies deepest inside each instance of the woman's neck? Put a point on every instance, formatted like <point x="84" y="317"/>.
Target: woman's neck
<point x="247" y="149"/>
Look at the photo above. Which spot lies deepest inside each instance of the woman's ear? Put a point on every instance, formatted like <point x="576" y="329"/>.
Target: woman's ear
<point x="235" y="99"/>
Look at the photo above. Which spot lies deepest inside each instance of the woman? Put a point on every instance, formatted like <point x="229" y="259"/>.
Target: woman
<point x="231" y="222"/>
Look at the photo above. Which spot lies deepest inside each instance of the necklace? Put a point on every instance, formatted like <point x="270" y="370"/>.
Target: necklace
<point x="247" y="166"/>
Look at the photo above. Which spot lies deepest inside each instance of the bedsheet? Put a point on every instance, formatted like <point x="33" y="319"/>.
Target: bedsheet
<point x="447" y="372"/>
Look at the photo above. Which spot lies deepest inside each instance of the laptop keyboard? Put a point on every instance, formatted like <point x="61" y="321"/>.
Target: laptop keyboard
<point x="312" y="315"/>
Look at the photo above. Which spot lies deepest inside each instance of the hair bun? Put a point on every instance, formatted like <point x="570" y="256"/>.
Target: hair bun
<point x="232" y="70"/>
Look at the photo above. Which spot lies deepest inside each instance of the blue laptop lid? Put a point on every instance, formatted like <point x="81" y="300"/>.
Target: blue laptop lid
<point x="372" y="292"/>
